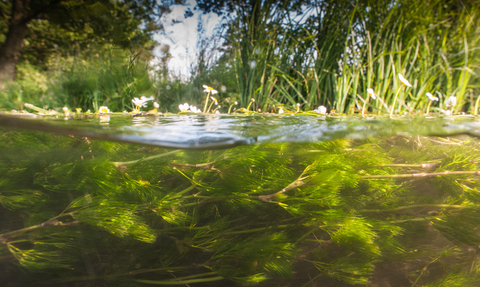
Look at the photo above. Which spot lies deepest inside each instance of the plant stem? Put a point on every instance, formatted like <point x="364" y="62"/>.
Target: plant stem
<point x="477" y="102"/>
<point x="423" y="174"/>
<point x="209" y="107"/>
<point x="147" y="158"/>
<point x="206" y="103"/>
<point x="184" y="228"/>
<point x="255" y="230"/>
<point x="185" y="190"/>
<point x="419" y="206"/>
<point x="182" y="281"/>
<point x="427" y="218"/>
<point x="214" y="199"/>
<point x="163" y="269"/>
<point x="230" y="108"/>
<point x="297" y="183"/>
<point x="428" y="107"/>
<point x="394" y="102"/>
<point x="364" y="104"/>
<point x="248" y="107"/>
<point x="51" y="222"/>
<point x="423" y="165"/>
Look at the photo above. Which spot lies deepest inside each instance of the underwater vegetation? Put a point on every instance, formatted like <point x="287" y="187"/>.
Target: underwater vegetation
<point x="393" y="210"/>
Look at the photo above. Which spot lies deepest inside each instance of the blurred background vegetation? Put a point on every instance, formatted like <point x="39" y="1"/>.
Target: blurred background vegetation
<point x="84" y="54"/>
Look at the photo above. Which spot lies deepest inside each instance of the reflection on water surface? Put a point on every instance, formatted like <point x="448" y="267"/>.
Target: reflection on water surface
<point x="392" y="210"/>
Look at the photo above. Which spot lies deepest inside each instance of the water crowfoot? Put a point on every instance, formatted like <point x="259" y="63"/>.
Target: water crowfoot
<point x="184" y="108"/>
<point x="230" y="108"/>
<point x="214" y="101"/>
<point x="321" y="110"/>
<point x="431" y="98"/>
<point x="404" y="83"/>
<point x="139" y="103"/>
<point x="103" y="110"/>
<point x="370" y="93"/>
<point x="451" y="102"/>
<point x="252" y="100"/>
<point x="208" y="90"/>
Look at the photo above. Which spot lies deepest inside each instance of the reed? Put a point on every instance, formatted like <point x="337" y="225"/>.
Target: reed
<point x="331" y="60"/>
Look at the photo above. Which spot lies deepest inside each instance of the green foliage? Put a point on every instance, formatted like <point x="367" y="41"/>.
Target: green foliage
<point x="337" y="211"/>
<point x="118" y="218"/>
<point x="334" y="50"/>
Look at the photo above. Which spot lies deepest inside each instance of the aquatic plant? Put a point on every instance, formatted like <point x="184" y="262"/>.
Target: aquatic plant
<point x="370" y="93"/>
<point x="75" y="209"/>
<point x="405" y="83"/>
<point x="208" y="90"/>
<point x="321" y="110"/>
<point x="103" y="110"/>
<point x="432" y="98"/>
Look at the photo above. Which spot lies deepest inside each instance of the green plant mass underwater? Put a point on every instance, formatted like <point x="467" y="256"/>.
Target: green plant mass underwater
<point x="383" y="211"/>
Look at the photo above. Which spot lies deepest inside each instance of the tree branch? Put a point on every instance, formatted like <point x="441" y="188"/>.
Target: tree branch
<point x="44" y="9"/>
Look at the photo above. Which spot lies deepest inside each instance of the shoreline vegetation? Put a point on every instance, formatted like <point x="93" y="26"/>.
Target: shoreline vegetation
<point x="143" y="102"/>
<point x="289" y="56"/>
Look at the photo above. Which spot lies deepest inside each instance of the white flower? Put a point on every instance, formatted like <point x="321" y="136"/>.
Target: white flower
<point x="194" y="109"/>
<point x="451" y="101"/>
<point x="103" y="110"/>
<point x="145" y="99"/>
<point x="104" y="119"/>
<point x="156" y="105"/>
<point x="208" y="89"/>
<point x="139" y="103"/>
<point x="432" y="97"/>
<point x="446" y="112"/>
<point x="65" y="109"/>
<point x="236" y="103"/>
<point x="403" y="80"/>
<point x="280" y="110"/>
<point x="253" y="100"/>
<point x="215" y="100"/>
<point x="321" y="110"/>
<point x="184" y="107"/>
<point x="371" y="93"/>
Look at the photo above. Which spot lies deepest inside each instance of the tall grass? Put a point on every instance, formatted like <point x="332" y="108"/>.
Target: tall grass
<point x="332" y="57"/>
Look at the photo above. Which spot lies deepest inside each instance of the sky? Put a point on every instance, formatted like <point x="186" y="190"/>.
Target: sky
<point x="182" y="36"/>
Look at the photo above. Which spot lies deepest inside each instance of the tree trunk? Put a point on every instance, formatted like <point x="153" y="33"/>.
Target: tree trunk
<point x="12" y="48"/>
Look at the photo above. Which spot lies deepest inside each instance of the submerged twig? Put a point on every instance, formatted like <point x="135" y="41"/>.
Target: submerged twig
<point x="146" y="158"/>
<point x="423" y="174"/>
<point x="204" y="166"/>
<point x="51" y="222"/>
<point x="423" y="165"/>
<point x="297" y="183"/>
<point x="184" y="280"/>
<point x="419" y="206"/>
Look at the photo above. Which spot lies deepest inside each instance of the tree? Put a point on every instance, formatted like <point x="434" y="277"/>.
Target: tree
<point x="87" y="21"/>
